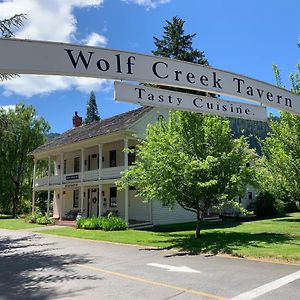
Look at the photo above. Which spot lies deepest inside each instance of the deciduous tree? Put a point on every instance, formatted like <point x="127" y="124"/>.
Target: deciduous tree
<point x="280" y="165"/>
<point x="191" y="160"/>
<point x="24" y="132"/>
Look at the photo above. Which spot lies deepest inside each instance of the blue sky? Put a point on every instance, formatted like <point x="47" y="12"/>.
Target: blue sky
<point x="244" y="37"/>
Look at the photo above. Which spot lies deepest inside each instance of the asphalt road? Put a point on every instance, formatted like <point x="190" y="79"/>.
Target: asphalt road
<point x="34" y="266"/>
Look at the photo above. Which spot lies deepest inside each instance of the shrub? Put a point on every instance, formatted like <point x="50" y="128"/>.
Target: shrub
<point x="32" y="217"/>
<point x="45" y="220"/>
<point x="292" y="206"/>
<point x="114" y="223"/>
<point x="267" y="205"/>
<point x="108" y="224"/>
<point x="24" y="207"/>
<point x="90" y="223"/>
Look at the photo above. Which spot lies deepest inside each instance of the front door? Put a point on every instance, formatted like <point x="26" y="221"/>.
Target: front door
<point x="93" y="202"/>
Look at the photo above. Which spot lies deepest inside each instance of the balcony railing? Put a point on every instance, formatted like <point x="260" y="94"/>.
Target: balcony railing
<point x="91" y="175"/>
<point x="54" y="180"/>
<point x="106" y="173"/>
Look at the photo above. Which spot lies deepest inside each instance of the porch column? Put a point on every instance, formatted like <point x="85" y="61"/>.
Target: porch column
<point x="49" y="169"/>
<point x="61" y="167"/>
<point x="100" y="202"/>
<point x="82" y="164"/>
<point x="33" y="183"/>
<point x="55" y="168"/>
<point x="126" y="167"/>
<point x="81" y="175"/>
<point x="61" y="186"/>
<point x="48" y="202"/>
<point x="100" y="146"/>
<point x="33" y="201"/>
<point x="81" y="198"/>
<point x="61" y="202"/>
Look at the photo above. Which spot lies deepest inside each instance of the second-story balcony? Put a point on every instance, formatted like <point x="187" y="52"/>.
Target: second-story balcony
<point x="93" y="175"/>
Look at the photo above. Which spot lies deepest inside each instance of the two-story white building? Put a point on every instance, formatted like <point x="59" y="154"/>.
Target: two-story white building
<point x="85" y="162"/>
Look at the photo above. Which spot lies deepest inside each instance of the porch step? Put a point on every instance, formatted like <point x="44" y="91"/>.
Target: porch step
<point x="140" y="225"/>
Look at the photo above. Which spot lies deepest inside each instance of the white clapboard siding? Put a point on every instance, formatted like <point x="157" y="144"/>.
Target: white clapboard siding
<point x="150" y="118"/>
<point x="164" y="215"/>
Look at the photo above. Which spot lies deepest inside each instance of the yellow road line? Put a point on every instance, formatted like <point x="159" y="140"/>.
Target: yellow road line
<point x="140" y="279"/>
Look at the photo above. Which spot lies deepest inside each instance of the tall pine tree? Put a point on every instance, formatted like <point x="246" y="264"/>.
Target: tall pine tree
<point x="92" y="110"/>
<point x="178" y="45"/>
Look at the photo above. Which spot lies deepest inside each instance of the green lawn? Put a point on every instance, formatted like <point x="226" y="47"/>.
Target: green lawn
<point x="7" y="222"/>
<point x="275" y="239"/>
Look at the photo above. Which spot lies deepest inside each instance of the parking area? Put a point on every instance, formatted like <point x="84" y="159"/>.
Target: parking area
<point x="35" y="266"/>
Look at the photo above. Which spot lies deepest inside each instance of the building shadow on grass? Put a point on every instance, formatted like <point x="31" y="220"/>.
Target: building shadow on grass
<point x="30" y="268"/>
<point x="192" y="225"/>
<point x="288" y="220"/>
<point x="219" y="242"/>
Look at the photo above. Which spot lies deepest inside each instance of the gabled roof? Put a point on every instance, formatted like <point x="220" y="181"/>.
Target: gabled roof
<point x="86" y="131"/>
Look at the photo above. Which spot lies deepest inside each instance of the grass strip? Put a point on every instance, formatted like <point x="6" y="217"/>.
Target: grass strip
<point x="277" y="238"/>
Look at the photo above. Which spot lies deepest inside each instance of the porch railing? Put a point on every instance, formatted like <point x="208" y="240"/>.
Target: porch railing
<point x="107" y="173"/>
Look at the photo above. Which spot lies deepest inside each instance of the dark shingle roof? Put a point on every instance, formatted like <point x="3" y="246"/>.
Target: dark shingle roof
<point x="87" y="131"/>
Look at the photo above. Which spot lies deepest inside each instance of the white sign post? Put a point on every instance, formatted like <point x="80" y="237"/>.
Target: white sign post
<point x="149" y="96"/>
<point x="49" y="58"/>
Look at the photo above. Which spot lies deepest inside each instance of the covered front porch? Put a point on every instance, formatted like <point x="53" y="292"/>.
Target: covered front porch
<point x="95" y="200"/>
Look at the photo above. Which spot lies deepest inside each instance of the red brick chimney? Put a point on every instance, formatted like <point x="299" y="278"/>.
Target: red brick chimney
<point x="77" y="121"/>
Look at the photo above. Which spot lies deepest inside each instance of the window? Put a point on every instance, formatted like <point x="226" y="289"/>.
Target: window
<point x="250" y="195"/>
<point x="113" y="197"/>
<point x="75" y="198"/>
<point x="113" y="158"/>
<point x="131" y="156"/>
<point x="76" y="164"/>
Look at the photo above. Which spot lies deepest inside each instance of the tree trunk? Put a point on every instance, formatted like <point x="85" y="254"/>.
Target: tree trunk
<point x="199" y="220"/>
<point x="16" y="200"/>
<point x="14" y="208"/>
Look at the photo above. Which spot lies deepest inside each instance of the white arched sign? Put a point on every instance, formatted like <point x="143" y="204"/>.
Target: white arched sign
<point x="149" y="96"/>
<point x="50" y="58"/>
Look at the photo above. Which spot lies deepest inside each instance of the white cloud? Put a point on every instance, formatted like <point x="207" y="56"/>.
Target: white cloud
<point x="147" y="3"/>
<point x="30" y="85"/>
<point x="8" y="107"/>
<point x="51" y="21"/>
<point x="95" y="39"/>
<point x="86" y="85"/>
